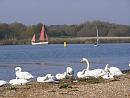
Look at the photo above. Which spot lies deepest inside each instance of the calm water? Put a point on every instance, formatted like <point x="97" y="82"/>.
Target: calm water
<point x="40" y="60"/>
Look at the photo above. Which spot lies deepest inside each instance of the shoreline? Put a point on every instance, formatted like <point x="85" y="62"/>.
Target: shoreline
<point x="117" y="88"/>
<point x="69" y="40"/>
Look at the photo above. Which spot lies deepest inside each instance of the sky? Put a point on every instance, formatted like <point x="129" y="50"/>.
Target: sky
<point x="58" y="12"/>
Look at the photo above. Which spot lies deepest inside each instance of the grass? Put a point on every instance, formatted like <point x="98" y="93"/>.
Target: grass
<point x="65" y="85"/>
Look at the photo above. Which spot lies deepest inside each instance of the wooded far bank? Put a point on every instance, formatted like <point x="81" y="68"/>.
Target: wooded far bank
<point x="18" y="33"/>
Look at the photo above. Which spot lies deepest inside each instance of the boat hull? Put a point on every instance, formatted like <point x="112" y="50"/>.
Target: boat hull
<point x="39" y="43"/>
<point x="96" y="45"/>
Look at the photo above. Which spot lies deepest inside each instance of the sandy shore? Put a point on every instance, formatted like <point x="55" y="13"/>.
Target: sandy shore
<point x="117" y="88"/>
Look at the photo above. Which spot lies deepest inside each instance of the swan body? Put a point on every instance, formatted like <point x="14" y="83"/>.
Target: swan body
<point x="80" y="74"/>
<point x="18" y="81"/>
<point x="95" y="73"/>
<point x="61" y="76"/>
<point x="92" y="73"/>
<point x="2" y="82"/>
<point x="108" y="76"/>
<point x="22" y="75"/>
<point x="48" y="78"/>
<point x="113" y="70"/>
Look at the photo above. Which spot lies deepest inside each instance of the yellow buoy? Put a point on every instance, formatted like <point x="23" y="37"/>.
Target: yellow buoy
<point x="65" y="44"/>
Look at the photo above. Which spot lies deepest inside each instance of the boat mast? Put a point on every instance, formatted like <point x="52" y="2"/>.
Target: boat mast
<point x="97" y="35"/>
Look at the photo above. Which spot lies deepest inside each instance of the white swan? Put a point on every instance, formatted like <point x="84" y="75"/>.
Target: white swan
<point x="2" y="82"/>
<point x="108" y="75"/>
<point x="129" y="64"/>
<point x="69" y="71"/>
<point x="92" y="73"/>
<point x="22" y="75"/>
<point x="48" y="78"/>
<point x="61" y="76"/>
<point x="80" y="74"/>
<point x="114" y="71"/>
<point x="18" y="81"/>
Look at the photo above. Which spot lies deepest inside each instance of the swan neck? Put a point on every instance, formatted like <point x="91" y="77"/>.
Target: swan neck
<point x="106" y="68"/>
<point x="87" y="64"/>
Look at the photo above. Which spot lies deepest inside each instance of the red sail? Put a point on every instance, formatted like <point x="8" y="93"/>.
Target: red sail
<point x="42" y="34"/>
<point x="33" y="38"/>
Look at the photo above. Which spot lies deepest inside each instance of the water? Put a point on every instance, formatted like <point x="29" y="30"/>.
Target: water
<point x="40" y="60"/>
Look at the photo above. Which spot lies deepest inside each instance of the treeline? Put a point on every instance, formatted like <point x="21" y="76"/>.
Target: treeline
<point x="19" y="31"/>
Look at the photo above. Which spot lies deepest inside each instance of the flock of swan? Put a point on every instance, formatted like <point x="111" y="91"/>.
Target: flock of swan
<point x="25" y="77"/>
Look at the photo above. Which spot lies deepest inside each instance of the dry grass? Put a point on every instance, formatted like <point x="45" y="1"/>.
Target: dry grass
<point x="90" y="88"/>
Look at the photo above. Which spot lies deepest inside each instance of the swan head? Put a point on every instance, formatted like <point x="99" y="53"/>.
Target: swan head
<point x="18" y="69"/>
<point x="83" y="60"/>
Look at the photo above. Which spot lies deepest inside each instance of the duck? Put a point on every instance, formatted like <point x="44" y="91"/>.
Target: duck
<point x="22" y="75"/>
<point x="2" y="82"/>
<point x="48" y="78"/>
<point x="92" y="73"/>
<point x="18" y="81"/>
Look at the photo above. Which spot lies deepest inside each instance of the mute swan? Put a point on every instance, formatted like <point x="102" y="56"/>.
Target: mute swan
<point x="114" y="71"/>
<point x="69" y="71"/>
<point x="108" y="75"/>
<point x="48" y="78"/>
<point x="129" y="64"/>
<point x="18" y="81"/>
<point x="92" y="73"/>
<point x="61" y="76"/>
<point x="80" y="74"/>
<point x="2" y="82"/>
<point x="22" y="75"/>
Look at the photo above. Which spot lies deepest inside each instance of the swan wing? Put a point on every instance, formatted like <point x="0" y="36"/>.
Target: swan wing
<point x="18" y="81"/>
<point x="24" y="75"/>
<point x="115" y="71"/>
<point x="41" y="79"/>
<point x="96" y="72"/>
<point x="60" y="76"/>
<point x="2" y="82"/>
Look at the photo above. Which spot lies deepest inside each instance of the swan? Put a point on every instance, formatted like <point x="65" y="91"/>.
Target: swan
<point x="108" y="75"/>
<point x="92" y="73"/>
<point x="129" y="64"/>
<point x="18" y="81"/>
<point x="2" y="82"/>
<point x="48" y="78"/>
<point x="22" y="75"/>
<point x="114" y="71"/>
<point x="80" y="74"/>
<point x="61" y="76"/>
<point x="69" y="71"/>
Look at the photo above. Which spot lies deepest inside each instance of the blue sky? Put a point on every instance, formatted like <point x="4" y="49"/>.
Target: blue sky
<point x="64" y="11"/>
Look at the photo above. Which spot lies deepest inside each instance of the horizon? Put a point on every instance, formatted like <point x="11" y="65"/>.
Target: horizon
<point x="65" y="24"/>
<point x="60" y="12"/>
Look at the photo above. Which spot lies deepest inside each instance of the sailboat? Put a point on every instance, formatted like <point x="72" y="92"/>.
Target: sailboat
<point x="97" y="41"/>
<point x="43" y="40"/>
